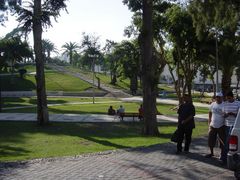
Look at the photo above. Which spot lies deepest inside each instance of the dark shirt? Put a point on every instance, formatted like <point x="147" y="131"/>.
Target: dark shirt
<point x="184" y="111"/>
<point x="111" y="111"/>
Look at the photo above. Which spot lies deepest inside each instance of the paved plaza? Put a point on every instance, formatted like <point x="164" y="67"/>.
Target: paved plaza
<point x="147" y="163"/>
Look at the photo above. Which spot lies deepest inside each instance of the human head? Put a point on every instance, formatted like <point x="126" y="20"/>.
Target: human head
<point x="229" y="96"/>
<point x="219" y="97"/>
<point x="187" y="98"/>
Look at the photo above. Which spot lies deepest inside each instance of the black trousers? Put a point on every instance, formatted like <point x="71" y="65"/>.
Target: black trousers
<point x="184" y="133"/>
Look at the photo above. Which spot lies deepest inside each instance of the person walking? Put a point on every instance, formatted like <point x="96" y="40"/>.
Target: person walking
<point x="186" y="113"/>
<point x="216" y="125"/>
<point x="140" y="113"/>
<point x="230" y="108"/>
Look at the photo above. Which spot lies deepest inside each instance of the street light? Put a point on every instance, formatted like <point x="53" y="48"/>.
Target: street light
<point x="217" y="87"/>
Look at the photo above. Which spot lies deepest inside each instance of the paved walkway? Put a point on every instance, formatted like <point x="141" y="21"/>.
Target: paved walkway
<point x="85" y="117"/>
<point x="147" y="163"/>
<point x="115" y="92"/>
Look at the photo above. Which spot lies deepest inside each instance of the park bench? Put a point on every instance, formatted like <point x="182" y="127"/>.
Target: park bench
<point x="128" y="114"/>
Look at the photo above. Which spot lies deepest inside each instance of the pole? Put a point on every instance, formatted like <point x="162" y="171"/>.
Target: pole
<point x="217" y="87"/>
<point x="93" y="82"/>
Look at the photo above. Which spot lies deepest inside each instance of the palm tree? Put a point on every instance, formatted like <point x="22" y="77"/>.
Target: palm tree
<point x="14" y="50"/>
<point x="48" y="47"/>
<point x="69" y="49"/>
<point x="34" y="17"/>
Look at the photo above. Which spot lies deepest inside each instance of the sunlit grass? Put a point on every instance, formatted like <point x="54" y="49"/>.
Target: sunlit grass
<point x="27" y="140"/>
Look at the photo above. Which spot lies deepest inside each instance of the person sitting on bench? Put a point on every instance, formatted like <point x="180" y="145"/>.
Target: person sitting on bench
<point x="111" y="111"/>
<point x="120" y="112"/>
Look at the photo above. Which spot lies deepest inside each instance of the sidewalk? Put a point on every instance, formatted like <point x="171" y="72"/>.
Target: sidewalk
<point x="86" y="117"/>
<point x="146" y="163"/>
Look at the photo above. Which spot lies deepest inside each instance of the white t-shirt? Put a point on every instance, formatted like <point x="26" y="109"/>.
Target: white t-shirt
<point x="230" y="107"/>
<point x="217" y="119"/>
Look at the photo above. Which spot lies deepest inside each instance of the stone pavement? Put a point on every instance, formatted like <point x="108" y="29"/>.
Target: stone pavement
<point x="146" y="163"/>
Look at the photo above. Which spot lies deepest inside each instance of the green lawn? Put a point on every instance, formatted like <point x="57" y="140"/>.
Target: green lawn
<point x="100" y="107"/>
<point x="121" y="83"/>
<point x="26" y="140"/>
<point x="16" y="101"/>
<point x="55" y="81"/>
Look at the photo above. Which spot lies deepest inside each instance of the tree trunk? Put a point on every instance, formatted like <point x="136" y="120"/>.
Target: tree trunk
<point x="226" y="79"/>
<point x="42" y="109"/>
<point x="0" y="93"/>
<point x="148" y="72"/>
<point x="133" y="84"/>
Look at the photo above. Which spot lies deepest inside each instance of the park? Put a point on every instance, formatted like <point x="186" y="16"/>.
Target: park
<point x="54" y="120"/>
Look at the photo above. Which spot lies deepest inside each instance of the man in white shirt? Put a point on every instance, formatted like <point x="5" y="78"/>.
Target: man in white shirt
<point x="230" y="109"/>
<point x="216" y="125"/>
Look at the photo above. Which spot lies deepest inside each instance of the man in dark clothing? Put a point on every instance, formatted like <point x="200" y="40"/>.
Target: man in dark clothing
<point x="186" y="113"/>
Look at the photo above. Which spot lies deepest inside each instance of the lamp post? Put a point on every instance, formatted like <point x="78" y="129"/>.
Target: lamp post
<point x="217" y="87"/>
<point x="93" y="69"/>
<point x="93" y="72"/>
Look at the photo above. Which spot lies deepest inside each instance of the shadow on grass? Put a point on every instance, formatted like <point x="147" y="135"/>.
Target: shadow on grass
<point x="105" y="134"/>
<point x="12" y="151"/>
<point x="17" y="84"/>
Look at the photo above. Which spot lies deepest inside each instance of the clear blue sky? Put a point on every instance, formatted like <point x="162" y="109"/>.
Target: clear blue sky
<point x="104" y="18"/>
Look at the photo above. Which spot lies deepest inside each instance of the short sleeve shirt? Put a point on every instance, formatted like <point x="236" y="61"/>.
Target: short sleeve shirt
<point x="217" y="119"/>
<point x="230" y="107"/>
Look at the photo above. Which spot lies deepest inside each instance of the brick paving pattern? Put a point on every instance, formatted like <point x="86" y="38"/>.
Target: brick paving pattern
<point x="150" y="163"/>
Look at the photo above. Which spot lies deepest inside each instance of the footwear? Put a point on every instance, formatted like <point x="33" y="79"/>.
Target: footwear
<point x="178" y="152"/>
<point x="186" y="152"/>
<point x="209" y="156"/>
<point x="223" y="162"/>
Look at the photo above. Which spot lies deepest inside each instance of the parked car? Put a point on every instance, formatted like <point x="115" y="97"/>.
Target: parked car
<point x="233" y="159"/>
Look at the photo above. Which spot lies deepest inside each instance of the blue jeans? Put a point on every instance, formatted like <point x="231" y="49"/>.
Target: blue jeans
<point x="228" y="131"/>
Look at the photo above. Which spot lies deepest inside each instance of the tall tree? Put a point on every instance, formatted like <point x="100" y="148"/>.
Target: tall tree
<point x="128" y="53"/>
<point x="149" y="78"/>
<point x="69" y="49"/>
<point x="222" y="18"/>
<point x="185" y="44"/>
<point x="111" y="59"/>
<point x="90" y="47"/>
<point x="34" y="17"/>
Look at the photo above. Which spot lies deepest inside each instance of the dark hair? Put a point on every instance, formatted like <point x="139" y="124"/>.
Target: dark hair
<point x="230" y="93"/>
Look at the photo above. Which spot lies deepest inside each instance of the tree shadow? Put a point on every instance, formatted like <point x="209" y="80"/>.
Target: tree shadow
<point x="16" y="84"/>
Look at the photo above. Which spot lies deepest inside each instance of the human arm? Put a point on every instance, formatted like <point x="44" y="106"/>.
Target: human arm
<point x="209" y="117"/>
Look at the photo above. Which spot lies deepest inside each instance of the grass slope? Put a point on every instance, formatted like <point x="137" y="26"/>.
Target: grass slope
<point x="55" y="81"/>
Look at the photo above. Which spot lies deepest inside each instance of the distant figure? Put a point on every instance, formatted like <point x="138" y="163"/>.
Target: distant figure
<point x="120" y="112"/>
<point x="111" y="111"/>
<point x="186" y="113"/>
<point x="140" y="113"/>
<point x="120" y="109"/>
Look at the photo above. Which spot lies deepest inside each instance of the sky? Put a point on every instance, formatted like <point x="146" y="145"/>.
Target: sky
<point x="105" y="19"/>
